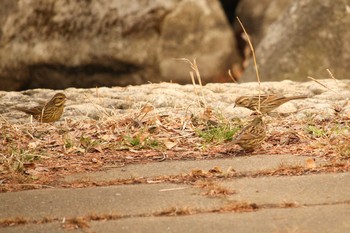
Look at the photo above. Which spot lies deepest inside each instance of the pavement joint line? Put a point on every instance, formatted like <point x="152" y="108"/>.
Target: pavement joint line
<point x="188" y="178"/>
<point x="230" y="207"/>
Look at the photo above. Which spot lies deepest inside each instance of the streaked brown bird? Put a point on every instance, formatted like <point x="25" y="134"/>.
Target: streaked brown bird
<point x="267" y="102"/>
<point x="252" y="135"/>
<point x="50" y="111"/>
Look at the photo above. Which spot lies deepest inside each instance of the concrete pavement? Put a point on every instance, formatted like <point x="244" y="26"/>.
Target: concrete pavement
<point x="307" y="203"/>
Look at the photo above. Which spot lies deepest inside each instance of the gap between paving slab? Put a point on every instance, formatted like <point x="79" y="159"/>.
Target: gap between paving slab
<point x="332" y="219"/>
<point x="310" y="189"/>
<point x="314" y="219"/>
<point x="239" y="164"/>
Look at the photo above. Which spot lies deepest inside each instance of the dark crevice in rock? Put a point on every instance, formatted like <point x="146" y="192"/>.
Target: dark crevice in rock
<point x="229" y="7"/>
<point x="85" y="76"/>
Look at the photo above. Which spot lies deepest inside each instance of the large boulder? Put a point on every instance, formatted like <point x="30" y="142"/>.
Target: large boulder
<point x="308" y="38"/>
<point x="257" y="16"/>
<point x="62" y="43"/>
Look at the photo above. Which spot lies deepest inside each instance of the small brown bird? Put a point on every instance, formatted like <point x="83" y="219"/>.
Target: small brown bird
<point x="267" y="102"/>
<point x="48" y="112"/>
<point x="252" y="135"/>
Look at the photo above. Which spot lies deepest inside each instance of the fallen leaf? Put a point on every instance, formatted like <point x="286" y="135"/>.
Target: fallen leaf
<point x="169" y="144"/>
<point x="33" y="145"/>
<point x="310" y="163"/>
<point x="215" y="170"/>
<point x="146" y="109"/>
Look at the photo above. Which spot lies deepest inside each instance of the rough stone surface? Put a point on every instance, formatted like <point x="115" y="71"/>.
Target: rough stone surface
<point x="182" y="99"/>
<point x="257" y="16"/>
<point x="308" y="38"/>
<point x="59" y="44"/>
<point x="196" y="29"/>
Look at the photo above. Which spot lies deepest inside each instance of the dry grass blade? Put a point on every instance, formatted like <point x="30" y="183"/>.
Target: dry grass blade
<point x="318" y="82"/>
<point x="330" y="74"/>
<point x="42" y="114"/>
<point x="144" y="111"/>
<point x="231" y="76"/>
<point x="194" y="84"/>
<point x="4" y="119"/>
<point x="254" y="58"/>
<point x="172" y="189"/>
<point x="97" y="92"/>
<point x="194" y="67"/>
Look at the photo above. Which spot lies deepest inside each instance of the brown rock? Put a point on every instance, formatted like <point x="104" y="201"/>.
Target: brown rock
<point x="308" y="38"/>
<point x="196" y="30"/>
<point x="257" y="16"/>
<point x="58" y="43"/>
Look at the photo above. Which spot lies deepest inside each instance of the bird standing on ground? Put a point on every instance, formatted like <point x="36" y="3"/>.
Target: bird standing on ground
<point x="50" y="111"/>
<point x="252" y="135"/>
<point x="267" y="102"/>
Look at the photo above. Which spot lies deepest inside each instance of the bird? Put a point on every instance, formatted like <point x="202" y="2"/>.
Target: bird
<point x="267" y="102"/>
<point x="51" y="111"/>
<point x="252" y="135"/>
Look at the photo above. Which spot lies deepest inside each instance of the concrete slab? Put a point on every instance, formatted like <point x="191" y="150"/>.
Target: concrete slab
<point x="310" y="189"/>
<point x="122" y="199"/>
<point x="325" y="219"/>
<point x="240" y="164"/>
<point x="39" y="228"/>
